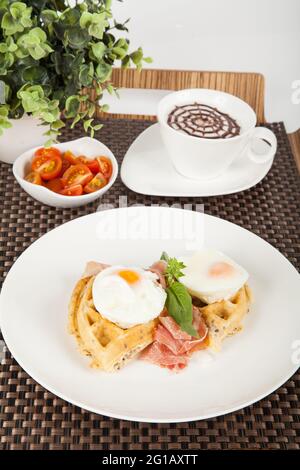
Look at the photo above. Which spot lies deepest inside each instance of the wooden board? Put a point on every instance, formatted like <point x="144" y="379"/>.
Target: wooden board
<point x="295" y="144"/>
<point x="247" y="86"/>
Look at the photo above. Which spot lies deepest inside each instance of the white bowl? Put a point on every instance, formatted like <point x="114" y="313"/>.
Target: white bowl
<point x="85" y="146"/>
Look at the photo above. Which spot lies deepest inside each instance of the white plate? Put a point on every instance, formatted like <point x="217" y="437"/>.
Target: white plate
<point x="252" y="364"/>
<point x="147" y="169"/>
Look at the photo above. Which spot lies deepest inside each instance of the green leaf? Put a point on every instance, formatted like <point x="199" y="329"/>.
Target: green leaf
<point x="49" y="143"/>
<point x="103" y="71"/>
<point x="123" y="43"/>
<point x="75" y="121"/>
<point x="86" y="74"/>
<point x="110" y="88"/>
<point x="173" y="271"/>
<point x="6" y="62"/>
<point x="72" y="105"/>
<point x="48" y="116"/>
<point x="174" y="268"/>
<point x="3" y="111"/>
<point x="98" y="50"/>
<point x="126" y="62"/>
<point x="87" y="124"/>
<point x="164" y="256"/>
<point x="91" y="110"/>
<point x="70" y="16"/>
<point x="121" y="26"/>
<point x="179" y="306"/>
<point x="137" y="56"/>
<point x="104" y="108"/>
<point x="119" y="52"/>
<point x="120" y="48"/>
<point x="86" y="19"/>
<point x="76" y="38"/>
<point x="98" y="127"/>
<point x="34" y="44"/>
<point x="59" y="124"/>
<point x="17" y="18"/>
<point x="95" y="23"/>
<point x="35" y="75"/>
<point x="49" y="16"/>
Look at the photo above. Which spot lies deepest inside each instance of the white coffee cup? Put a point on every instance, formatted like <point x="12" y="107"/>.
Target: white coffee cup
<point x="204" y="158"/>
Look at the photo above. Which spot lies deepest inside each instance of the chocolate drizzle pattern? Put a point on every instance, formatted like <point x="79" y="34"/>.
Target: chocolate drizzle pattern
<point x="201" y="120"/>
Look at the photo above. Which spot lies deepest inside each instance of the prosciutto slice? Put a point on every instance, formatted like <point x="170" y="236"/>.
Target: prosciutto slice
<point x="172" y="346"/>
<point x="158" y="353"/>
<point x="93" y="268"/>
<point x="163" y="336"/>
<point x="159" y="268"/>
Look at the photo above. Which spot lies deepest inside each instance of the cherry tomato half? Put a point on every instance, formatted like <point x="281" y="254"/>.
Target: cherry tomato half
<point x="65" y="165"/>
<point x="47" y="165"/>
<point x="70" y="157"/>
<point x="77" y="174"/>
<point x="105" y="166"/>
<point x="34" y="178"/>
<point x="93" y="165"/>
<point x="48" y="152"/>
<point x="55" y="185"/>
<point x="75" y="190"/>
<point x="98" y="182"/>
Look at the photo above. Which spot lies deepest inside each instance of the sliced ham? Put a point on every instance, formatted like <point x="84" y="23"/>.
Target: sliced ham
<point x="163" y="336"/>
<point x="175" y="330"/>
<point x="199" y="323"/>
<point x="159" y="354"/>
<point x="159" y="268"/>
<point x="93" y="268"/>
<point x="172" y="346"/>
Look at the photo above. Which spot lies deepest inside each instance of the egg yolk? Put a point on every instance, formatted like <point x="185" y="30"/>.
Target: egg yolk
<point x="129" y="276"/>
<point x="221" y="269"/>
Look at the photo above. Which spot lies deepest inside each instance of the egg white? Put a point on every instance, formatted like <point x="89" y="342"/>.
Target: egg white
<point x="127" y="304"/>
<point x="207" y="288"/>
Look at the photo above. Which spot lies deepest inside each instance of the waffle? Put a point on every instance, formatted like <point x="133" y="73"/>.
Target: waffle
<point x="109" y="346"/>
<point x="225" y="318"/>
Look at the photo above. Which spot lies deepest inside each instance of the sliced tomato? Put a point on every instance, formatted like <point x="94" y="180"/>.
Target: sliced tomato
<point x="70" y="157"/>
<point x="65" y="165"/>
<point x="93" y="165"/>
<point x="49" y="167"/>
<point x="75" y="190"/>
<point x="55" y="185"/>
<point x="34" y="177"/>
<point x="98" y="182"/>
<point x="77" y="174"/>
<point x="48" y="152"/>
<point x="105" y="166"/>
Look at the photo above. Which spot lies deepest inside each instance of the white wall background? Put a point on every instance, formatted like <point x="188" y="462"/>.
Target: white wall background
<point x="241" y="35"/>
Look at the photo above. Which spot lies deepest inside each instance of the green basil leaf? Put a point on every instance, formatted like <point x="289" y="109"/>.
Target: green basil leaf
<point x="179" y="306"/>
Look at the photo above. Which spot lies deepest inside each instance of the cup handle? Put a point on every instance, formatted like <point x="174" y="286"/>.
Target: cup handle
<point x="262" y="133"/>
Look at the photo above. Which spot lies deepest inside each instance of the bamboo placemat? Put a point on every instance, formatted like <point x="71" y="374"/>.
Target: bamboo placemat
<point x="33" y="418"/>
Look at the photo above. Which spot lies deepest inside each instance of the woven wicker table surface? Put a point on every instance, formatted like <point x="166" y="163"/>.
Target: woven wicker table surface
<point x="33" y="418"/>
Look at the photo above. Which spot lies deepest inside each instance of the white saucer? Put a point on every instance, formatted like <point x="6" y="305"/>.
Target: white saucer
<point x="147" y="169"/>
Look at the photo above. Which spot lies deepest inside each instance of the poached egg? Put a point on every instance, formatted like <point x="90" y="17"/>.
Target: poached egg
<point x="212" y="276"/>
<point x="128" y="296"/>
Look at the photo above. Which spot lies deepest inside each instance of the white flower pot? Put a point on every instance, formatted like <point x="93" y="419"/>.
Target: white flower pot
<point x="24" y="134"/>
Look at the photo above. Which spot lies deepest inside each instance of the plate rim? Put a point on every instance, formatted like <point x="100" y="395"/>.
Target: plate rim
<point x="121" y="416"/>
<point x="186" y="194"/>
